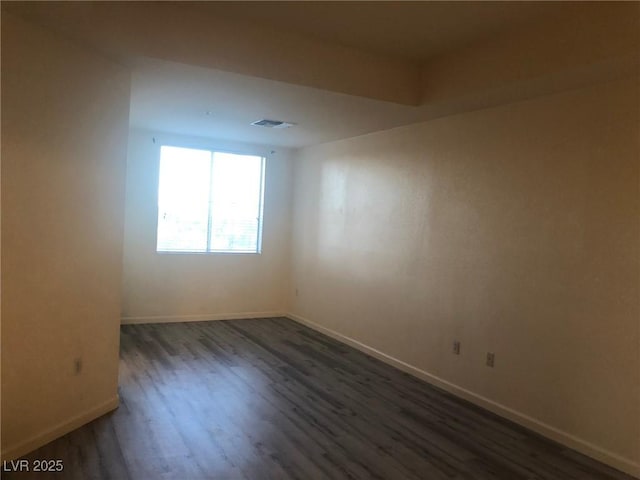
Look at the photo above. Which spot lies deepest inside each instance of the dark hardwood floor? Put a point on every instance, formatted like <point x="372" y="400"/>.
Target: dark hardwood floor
<point x="271" y="399"/>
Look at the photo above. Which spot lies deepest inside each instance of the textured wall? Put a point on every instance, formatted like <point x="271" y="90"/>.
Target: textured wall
<point x="64" y="136"/>
<point x="512" y="229"/>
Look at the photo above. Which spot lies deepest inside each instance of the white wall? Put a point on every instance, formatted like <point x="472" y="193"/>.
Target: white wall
<point x="512" y="229"/>
<point x="64" y="138"/>
<point x="175" y="287"/>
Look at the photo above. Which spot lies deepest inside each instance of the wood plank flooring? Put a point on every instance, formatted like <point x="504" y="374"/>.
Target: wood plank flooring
<point x="271" y="399"/>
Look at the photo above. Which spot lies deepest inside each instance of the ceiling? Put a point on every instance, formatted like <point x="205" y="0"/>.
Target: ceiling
<point x="414" y="30"/>
<point x="174" y="97"/>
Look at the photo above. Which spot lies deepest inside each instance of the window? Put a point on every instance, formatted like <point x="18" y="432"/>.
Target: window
<point x="209" y="201"/>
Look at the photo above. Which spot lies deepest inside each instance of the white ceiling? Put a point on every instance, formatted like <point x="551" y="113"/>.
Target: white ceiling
<point x="413" y="30"/>
<point x="172" y="97"/>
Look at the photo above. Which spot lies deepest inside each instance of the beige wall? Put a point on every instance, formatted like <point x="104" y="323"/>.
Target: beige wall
<point x="512" y="229"/>
<point x="64" y="129"/>
<point x="172" y="287"/>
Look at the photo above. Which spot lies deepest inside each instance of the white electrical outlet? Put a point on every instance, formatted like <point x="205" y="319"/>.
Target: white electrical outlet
<point x="491" y="357"/>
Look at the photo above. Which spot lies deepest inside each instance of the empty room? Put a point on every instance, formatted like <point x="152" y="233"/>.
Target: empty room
<point x="320" y="240"/>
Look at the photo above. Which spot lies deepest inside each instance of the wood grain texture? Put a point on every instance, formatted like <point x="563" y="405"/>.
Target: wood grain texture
<point x="272" y="399"/>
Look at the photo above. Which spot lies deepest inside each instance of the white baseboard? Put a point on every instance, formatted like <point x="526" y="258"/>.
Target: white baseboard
<point x="22" y="448"/>
<point x="612" y="459"/>
<point x="200" y="317"/>
<point x="617" y="461"/>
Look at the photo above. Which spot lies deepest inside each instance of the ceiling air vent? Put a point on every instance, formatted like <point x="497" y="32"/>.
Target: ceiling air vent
<point x="272" y="123"/>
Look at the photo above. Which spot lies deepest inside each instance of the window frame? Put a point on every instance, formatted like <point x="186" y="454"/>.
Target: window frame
<point x="212" y="150"/>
